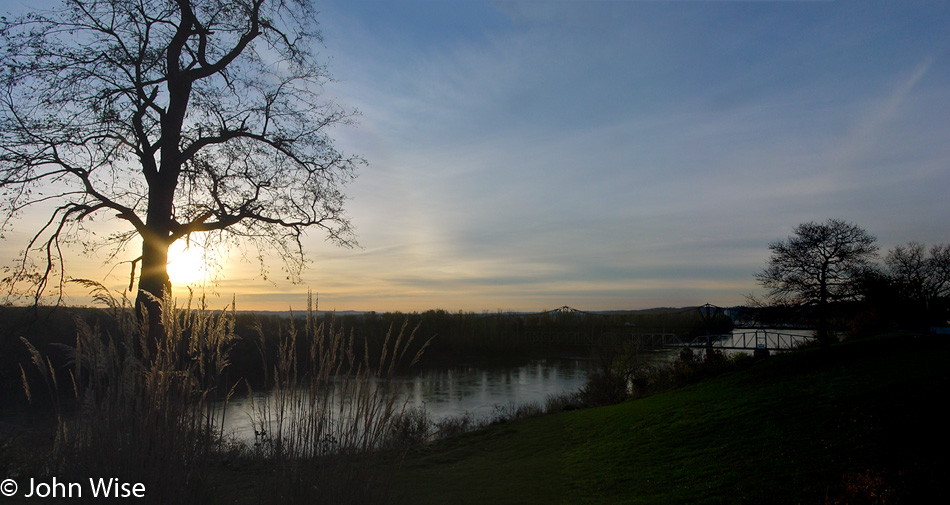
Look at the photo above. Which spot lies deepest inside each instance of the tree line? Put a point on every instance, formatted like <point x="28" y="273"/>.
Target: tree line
<point x="833" y="268"/>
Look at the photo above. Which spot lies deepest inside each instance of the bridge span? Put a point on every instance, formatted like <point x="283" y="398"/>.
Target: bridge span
<point x="759" y="341"/>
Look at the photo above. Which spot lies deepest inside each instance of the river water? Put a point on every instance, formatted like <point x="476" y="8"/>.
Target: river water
<point x="459" y="390"/>
<point x="479" y="390"/>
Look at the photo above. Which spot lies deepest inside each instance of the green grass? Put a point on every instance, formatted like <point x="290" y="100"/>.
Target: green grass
<point x="790" y="429"/>
<point x="841" y="425"/>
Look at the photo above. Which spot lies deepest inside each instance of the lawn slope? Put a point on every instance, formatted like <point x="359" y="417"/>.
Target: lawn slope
<point x="813" y="426"/>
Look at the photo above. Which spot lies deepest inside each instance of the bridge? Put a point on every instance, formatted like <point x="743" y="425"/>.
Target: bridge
<point x="760" y="341"/>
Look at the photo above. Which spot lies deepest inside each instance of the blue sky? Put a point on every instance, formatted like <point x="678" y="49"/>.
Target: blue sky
<point x="525" y="155"/>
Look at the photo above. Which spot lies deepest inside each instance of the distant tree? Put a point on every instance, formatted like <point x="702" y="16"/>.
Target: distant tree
<point x="940" y="269"/>
<point x="817" y="265"/>
<point x="177" y="117"/>
<point x="918" y="276"/>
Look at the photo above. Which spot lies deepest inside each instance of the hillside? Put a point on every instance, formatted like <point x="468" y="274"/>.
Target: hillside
<point x="815" y="426"/>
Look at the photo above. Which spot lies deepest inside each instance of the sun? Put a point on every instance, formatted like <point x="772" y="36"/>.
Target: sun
<point x="187" y="263"/>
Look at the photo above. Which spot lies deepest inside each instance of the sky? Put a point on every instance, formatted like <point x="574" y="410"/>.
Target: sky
<point x="524" y="155"/>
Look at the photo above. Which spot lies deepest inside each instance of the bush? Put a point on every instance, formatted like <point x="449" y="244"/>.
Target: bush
<point x="413" y="426"/>
<point x="604" y="388"/>
<point x="870" y="488"/>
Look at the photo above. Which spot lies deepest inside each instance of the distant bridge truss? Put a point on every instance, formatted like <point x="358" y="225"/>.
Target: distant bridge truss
<point x="754" y="340"/>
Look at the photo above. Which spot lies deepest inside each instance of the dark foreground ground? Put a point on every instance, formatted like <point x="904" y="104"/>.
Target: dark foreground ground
<point x="862" y="422"/>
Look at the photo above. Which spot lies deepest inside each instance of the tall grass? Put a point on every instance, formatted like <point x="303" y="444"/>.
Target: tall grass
<point x="136" y="410"/>
<point x="331" y="409"/>
<point x="152" y="412"/>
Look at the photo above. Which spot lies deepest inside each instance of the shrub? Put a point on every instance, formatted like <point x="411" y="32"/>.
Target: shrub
<point x="870" y="488"/>
<point x="413" y="426"/>
<point x="455" y="425"/>
<point x="604" y="388"/>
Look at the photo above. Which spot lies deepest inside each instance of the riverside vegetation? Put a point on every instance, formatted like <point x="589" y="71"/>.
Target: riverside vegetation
<point x="151" y="414"/>
<point x="487" y="337"/>
<point x="853" y="424"/>
<point x="838" y="426"/>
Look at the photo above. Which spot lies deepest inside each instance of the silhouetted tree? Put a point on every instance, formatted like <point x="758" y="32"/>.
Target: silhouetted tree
<point x="175" y="116"/>
<point x="919" y="277"/>
<point x="818" y="265"/>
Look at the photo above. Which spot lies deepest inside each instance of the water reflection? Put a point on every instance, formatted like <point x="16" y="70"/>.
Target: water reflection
<point x="455" y="391"/>
<point x="477" y="390"/>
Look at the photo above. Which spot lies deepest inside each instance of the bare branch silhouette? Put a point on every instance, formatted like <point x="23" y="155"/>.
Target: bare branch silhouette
<point x="191" y="116"/>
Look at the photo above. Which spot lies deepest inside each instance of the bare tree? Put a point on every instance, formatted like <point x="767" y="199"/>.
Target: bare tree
<point x="177" y="117"/>
<point x="919" y="276"/>
<point x="939" y="263"/>
<point x="818" y="265"/>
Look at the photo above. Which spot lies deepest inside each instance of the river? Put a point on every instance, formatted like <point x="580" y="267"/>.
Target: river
<point x="459" y="390"/>
<point x="475" y="390"/>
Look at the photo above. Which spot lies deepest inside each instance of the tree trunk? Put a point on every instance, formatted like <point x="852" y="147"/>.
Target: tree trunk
<point x="153" y="286"/>
<point x="824" y="336"/>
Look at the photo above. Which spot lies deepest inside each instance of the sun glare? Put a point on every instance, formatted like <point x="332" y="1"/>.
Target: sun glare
<point x="187" y="263"/>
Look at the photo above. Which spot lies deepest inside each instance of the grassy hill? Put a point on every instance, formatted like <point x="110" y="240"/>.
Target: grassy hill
<point x="843" y="425"/>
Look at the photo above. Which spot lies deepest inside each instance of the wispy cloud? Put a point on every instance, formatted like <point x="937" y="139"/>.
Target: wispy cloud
<point x="627" y="150"/>
<point x="524" y="155"/>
